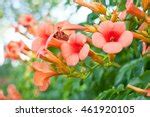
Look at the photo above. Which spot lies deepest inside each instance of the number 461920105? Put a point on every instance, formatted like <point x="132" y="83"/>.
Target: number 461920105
<point x="108" y="109"/>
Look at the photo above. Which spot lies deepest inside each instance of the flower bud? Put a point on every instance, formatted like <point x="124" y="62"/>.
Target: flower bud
<point x="90" y="28"/>
<point x="146" y="4"/>
<point x="133" y="10"/>
<point x="94" y="6"/>
<point x="102" y="18"/>
<point x="143" y="26"/>
<point x="114" y="16"/>
<point x="97" y="7"/>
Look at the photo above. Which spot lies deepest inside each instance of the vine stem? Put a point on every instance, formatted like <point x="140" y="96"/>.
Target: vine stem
<point x="95" y="57"/>
<point x="141" y="37"/>
<point x="136" y="89"/>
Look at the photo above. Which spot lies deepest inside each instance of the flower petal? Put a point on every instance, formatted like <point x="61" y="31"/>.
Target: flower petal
<point x="36" y="44"/>
<point x="98" y="40"/>
<point x="84" y="52"/>
<point x="72" y="38"/>
<point x="105" y="27"/>
<point x="45" y="29"/>
<point x="126" y="38"/>
<point x="45" y="85"/>
<point x="41" y="66"/>
<point x="128" y="2"/>
<point x="119" y="27"/>
<point x="81" y="39"/>
<point x="49" y="39"/>
<point x="68" y="26"/>
<point x="112" y="47"/>
<point x="64" y="25"/>
<point x="72" y="60"/>
<point x="66" y="50"/>
<point x="40" y="77"/>
<point x="13" y="93"/>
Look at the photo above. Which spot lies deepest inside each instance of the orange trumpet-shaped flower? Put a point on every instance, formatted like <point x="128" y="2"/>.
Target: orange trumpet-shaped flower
<point x="13" y="49"/>
<point x="43" y="72"/>
<point x="94" y="6"/>
<point x="26" y="20"/>
<point x="43" y="31"/>
<point x="13" y="94"/>
<point x="112" y="37"/>
<point x="132" y="9"/>
<point x="53" y="35"/>
<point x="75" y="49"/>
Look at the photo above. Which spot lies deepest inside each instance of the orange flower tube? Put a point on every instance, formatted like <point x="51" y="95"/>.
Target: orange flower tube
<point x="94" y="6"/>
<point x="133" y="10"/>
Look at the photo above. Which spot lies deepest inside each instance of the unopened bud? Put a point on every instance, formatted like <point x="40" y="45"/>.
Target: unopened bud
<point x="94" y="6"/>
<point x="102" y="18"/>
<point x="146" y="4"/>
<point x="133" y="10"/>
<point x="90" y="28"/>
<point x="114" y="16"/>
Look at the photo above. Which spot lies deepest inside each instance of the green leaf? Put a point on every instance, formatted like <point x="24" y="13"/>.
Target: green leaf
<point x="130" y="70"/>
<point x="146" y="77"/>
<point x="91" y="17"/>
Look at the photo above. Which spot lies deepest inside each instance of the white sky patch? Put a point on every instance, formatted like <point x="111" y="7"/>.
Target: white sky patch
<point x="61" y="13"/>
<point x="11" y="35"/>
<point x="80" y="16"/>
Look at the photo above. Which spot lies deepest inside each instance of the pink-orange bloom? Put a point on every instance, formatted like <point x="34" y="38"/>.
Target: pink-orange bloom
<point x="26" y="20"/>
<point x="53" y="35"/>
<point x="75" y="49"/>
<point x="13" y="94"/>
<point x="44" y="30"/>
<point x="112" y="37"/>
<point x="13" y="49"/>
<point x="43" y="72"/>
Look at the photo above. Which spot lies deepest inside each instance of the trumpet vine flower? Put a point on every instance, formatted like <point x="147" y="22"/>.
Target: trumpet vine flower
<point x="112" y="37"/>
<point x="75" y="49"/>
<point x="42" y="75"/>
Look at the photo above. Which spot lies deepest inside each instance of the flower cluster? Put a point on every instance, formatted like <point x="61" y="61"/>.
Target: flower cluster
<point x="13" y="94"/>
<point x="110" y="36"/>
